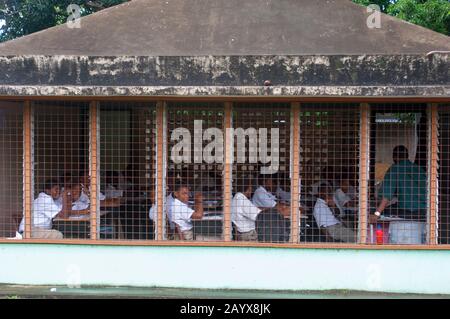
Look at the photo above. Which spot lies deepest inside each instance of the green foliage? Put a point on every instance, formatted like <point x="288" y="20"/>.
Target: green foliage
<point x="431" y="14"/>
<point x="383" y="4"/>
<point x="22" y="17"/>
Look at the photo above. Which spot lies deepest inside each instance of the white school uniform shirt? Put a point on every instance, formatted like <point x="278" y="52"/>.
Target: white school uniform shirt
<point x="286" y="196"/>
<point x="112" y="192"/>
<point x="315" y="187"/>
<point x="243" y="213"/>
<point x="80" y="205"/>
<point x="181" y="214"/>
<point x="44" y="210"/>
<point x="152" y="213"/>
<point x="85" y="198"/>
<point x="323" y="214"/>
<point x="262" y="198"/>
<point x="341" y="198"/>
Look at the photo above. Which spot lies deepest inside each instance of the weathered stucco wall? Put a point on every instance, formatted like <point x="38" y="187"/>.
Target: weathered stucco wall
<point x="366" y="75"/>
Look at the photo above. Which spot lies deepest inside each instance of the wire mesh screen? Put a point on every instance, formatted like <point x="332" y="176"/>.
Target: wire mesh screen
<point x="260" y="208"/>
<point x="194" y="206"/>
<point x="398" y="174"/>
<point x="329" y="171"/>
<point x="11" y="167"/>
<point x="127" y="170"/>
<point x="444" y="175"/>
<point x="61" y="156"/>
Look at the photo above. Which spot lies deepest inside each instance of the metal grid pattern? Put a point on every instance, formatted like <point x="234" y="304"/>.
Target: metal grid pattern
<point x="61" y="157"/>
<point x="444" y="174"/>
<point x="194" y="180"/>
<point x="11" y="167"/>
<point x="399" y="174"/>
<point x="414" y="203"/>
<point x="127" y="170"/>
<point x="260" y="208"/>
<point x="329" y="173"/>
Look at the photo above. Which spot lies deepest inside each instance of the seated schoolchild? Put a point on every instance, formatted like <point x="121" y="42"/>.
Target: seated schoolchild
<point x="272" y="223"/>
<point x="45" y="209"/>
<point x="345" y="197"/>
<point x="182" y="214"/>
<point x="243" y="212"/>
<point x="112" y="189"/>
<point x="153" y="213"/>
<point x="85" y="183"/>
<point x="324" y="214"/>
<point x="78" y="205"/>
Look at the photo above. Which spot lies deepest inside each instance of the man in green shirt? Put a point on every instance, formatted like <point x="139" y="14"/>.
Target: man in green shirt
<point x="408" y="182"/>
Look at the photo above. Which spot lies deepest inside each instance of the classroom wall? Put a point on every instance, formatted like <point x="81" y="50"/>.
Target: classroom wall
<point x="61" y="141"/>
<point x="394" y="271"/>
<point x="11" y="153"/>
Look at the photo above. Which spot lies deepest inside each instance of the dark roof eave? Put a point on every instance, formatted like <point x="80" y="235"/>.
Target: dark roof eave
<point x="273" y="92"/>
<point x="227" y="71"/>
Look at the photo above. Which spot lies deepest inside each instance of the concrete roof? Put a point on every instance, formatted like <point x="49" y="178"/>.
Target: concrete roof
<point x="230" y="27"/>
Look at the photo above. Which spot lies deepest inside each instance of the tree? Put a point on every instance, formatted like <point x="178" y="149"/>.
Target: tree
<point x="431" y="14"/>
<point x="383" y="4"/>
<point x="22" y="17"/>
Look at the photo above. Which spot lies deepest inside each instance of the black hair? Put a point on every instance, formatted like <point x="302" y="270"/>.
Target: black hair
<point x="265" y="177"/>
<point x="400" y="152"/>
<point x="242" y="183"/>
<point x="50" y="183"/>
<point x="179" y="185"/>
<point x="324" y="191"/>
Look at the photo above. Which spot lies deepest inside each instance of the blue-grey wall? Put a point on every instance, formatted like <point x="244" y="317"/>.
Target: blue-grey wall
<point x="398" y="271"/>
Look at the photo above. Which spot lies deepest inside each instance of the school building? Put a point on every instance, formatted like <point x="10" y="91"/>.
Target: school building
<point x="324" y="108"/>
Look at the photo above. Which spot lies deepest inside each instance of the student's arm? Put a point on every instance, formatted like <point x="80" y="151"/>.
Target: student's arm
<point x="66" y="205"/>
<point x="198" y="207"/>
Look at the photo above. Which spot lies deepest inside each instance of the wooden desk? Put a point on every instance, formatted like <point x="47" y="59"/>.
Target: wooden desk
<point x="78" y="226"/>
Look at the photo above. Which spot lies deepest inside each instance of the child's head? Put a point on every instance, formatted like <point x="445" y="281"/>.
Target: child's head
<point x="52" y="188"/>
<point x="76" y="191"/>
<point x="266" y="180"/>
<point x="325" y="192"/>
<point x="181" y="192"/>
<point x="244" y="184"/>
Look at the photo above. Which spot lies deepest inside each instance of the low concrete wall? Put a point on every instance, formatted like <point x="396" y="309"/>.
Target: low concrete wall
<point x="394" y="271"/>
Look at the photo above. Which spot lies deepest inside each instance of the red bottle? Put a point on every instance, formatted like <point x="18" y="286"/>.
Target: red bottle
<point x="379" y="234"/>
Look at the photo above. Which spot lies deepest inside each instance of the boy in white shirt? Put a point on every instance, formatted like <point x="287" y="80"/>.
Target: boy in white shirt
<point x="182" y="214"/>
<point x="264" y="199"/>
<point x="45" y="208"/>
<point x="243" y="212"/>
<point x="345" y="196"/>
<point x="273" y="222"/>
<point x="79" y="205"/>
<point x="326" y="219"/>
<point x="263" y="196"/>
<point x="153" y="214"/>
